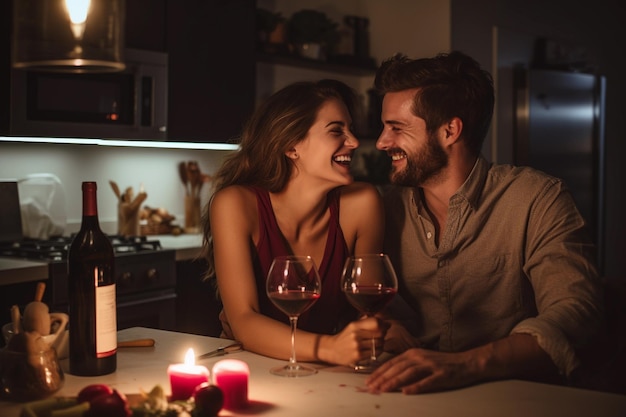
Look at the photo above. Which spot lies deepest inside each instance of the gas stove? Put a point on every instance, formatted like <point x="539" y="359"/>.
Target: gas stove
<point x="145" y="272"/>
<point x="145" y="278"/>
<point x="56" y="248"/>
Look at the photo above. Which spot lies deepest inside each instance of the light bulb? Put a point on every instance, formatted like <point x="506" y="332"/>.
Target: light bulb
<point x="77" y="9"/>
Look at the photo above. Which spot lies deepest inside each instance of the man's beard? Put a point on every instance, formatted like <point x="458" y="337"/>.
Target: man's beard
<point x="422" y="167"/>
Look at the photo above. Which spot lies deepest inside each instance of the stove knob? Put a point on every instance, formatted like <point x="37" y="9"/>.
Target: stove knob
<point x="152" y="275"/>
<point x="125" y="279"/>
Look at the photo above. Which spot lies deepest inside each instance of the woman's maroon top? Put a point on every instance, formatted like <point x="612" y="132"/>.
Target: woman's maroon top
<point x="331" y="311"/>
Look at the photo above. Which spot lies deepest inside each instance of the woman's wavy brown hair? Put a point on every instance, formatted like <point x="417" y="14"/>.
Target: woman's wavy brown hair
<point x="277" y="125"/>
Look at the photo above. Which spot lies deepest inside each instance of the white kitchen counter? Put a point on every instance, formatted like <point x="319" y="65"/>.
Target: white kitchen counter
<point x="13" y="271"/>
<point x="187" y="246"/>
<point x="337" y="391"/>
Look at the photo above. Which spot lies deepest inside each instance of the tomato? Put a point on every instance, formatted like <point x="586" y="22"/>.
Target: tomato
<point x="92" y="391"/>
<point x="111" y="405"/>
<point x="209" y="399"/>
<point x="104" y="401"/>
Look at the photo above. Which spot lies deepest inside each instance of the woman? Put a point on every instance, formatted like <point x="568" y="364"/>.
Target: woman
<point x="288" y="190"/>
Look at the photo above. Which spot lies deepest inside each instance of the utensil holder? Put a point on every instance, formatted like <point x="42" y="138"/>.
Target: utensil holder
<point x="192" y="214"/>
<point x="127" y="219"/>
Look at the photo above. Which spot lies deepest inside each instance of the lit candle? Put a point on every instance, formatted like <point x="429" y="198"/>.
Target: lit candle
<point x="185" y="377"/>
<point x="231" y="375"/>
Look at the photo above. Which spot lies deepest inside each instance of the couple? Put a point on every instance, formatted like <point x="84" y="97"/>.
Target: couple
<point x="493" y="260"/>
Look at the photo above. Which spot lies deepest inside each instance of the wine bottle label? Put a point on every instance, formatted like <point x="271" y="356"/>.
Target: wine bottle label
<point x="106" y="321"/>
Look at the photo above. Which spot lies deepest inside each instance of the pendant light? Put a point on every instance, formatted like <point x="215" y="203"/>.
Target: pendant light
<point x="68" y="35"/>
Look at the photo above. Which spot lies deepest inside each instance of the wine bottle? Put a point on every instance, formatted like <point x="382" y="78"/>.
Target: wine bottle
<point x="92" y="308"/>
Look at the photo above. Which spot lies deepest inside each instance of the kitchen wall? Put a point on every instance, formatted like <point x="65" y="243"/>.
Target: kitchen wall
<point x="496" y="32"/>
<point x="156" y="169"/>
<point x="500" y="32"/>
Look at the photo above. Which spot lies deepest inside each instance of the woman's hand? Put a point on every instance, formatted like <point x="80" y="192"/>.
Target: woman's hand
<point x="354" y="342"/>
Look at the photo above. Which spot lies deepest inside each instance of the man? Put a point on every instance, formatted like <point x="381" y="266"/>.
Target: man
<point x="494" y="259"/>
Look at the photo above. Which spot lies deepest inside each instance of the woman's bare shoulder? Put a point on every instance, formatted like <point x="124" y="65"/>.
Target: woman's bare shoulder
<point x="233" y="193"/>
<point x="234" y="198"/>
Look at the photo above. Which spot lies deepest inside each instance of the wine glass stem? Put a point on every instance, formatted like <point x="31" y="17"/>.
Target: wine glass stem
<point x="373" y="357"/>
<point x="294" y="324"/>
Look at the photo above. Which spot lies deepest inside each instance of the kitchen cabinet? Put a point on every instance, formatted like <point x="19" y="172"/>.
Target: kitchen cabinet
<point x="210" y="46"/>
<point x="212" y="69"/>
<point x="197" y="304"/>
<point x="146" y="25"/>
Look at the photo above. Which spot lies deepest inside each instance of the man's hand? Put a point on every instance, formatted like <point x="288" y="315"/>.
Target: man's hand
<point x="420" y="371"/>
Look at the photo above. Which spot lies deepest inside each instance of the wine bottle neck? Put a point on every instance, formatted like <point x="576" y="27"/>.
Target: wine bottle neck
<point x="90" y="203"/>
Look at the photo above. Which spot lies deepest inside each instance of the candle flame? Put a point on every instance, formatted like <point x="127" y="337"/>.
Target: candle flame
<point x="190" y="358"/>
<point x="77" y="9"/>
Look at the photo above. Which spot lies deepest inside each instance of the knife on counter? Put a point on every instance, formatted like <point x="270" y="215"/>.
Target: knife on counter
<point x="221" y="351"/>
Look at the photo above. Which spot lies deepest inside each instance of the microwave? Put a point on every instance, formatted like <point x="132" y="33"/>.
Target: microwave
<point x="129" y="104"/>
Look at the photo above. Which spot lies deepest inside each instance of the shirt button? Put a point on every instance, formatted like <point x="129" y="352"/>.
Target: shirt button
<point x="429" y="235"/>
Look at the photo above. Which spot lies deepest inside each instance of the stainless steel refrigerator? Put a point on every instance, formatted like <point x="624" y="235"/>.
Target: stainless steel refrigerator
<point x="559" y="129"/>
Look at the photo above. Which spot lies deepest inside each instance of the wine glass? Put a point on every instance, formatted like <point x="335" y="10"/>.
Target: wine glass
<point x="293" y="285"/>
<point x="370" y="283"/>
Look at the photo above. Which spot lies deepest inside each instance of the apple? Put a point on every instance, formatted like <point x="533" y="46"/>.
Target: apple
<point x="209" y="399"/>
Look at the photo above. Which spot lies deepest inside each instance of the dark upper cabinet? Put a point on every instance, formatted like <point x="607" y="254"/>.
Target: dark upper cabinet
<point x="211" y="51"/>
<point x="146" y="25"/>
<point x="211" y="47"/>
<point x="211" y="62"/>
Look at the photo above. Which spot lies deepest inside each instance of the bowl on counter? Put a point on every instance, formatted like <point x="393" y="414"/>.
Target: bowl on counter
<point x="58" y="337"/>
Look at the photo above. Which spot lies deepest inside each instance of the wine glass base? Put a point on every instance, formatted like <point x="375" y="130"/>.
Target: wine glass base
<point x="293" y="370"/>
<point x="366" y="367"/>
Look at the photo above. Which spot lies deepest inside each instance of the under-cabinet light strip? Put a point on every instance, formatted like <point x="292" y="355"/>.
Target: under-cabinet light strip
<point x="124" y="143"/>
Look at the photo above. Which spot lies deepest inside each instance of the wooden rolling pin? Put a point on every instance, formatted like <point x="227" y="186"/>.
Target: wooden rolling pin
<point x="136" y="343"/>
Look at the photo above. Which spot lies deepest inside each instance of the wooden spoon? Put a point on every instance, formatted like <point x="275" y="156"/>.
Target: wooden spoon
<point x="136" y="343"/>
<point x="39" y="290"/>
<point x="15" y="319"/>
<point x="182" y="171"/>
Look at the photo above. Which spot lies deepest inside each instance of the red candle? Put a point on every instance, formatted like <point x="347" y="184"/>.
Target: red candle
<point x="231" y="375"/>
<point x="185" y="377"/>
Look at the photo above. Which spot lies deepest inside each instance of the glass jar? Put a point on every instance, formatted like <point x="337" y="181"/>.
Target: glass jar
<point x="28" y="376"/>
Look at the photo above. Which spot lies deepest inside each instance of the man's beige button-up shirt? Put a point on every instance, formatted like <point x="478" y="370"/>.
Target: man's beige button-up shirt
<point x="514" y="257"/>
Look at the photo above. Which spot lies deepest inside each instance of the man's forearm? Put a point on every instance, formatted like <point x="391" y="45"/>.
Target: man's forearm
<point x="515" y="356"/>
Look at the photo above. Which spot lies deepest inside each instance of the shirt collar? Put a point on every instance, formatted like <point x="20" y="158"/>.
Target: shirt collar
<point x="470" y="190"/>
<point x="474" y="183"/>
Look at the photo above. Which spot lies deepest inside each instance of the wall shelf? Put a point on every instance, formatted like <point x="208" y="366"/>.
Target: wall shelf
<point x="298" y="62"/>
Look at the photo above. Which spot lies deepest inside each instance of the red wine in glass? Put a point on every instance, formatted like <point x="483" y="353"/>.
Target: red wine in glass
<point x="293" y="285"/>
<point x="369" y="283"/>
<point x="370" y="300"/>
<point x="294" y="303"/>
